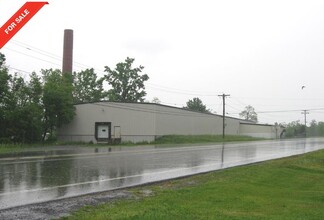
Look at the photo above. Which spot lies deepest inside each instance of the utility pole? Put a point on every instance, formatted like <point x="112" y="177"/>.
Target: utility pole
<point x="305" y="112"/>
<point x="223" y="96"/>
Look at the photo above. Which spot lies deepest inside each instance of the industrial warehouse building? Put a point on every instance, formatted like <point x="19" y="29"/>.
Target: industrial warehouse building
<point x="136" y="122"/>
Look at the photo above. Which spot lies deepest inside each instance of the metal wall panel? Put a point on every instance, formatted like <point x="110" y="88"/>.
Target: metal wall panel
<point x="133" y="120"/>
<point x="184" y="122"/>
<point x="256" y="130"/>
<point x="139" y="122"/>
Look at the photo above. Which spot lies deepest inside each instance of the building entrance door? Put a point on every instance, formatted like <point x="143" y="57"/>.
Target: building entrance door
<point x="103" y="131"/>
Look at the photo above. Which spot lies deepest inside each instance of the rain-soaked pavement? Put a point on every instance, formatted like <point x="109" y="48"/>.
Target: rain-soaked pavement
<point x="61" y="172"/>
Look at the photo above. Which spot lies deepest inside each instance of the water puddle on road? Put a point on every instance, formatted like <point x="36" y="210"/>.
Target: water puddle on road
<point x="60" y="172"/>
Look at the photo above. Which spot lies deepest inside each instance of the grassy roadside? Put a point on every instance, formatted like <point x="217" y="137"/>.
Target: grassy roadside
<point x="168" y="139"/>
<point x="19" y="147"/>
<point x="192" y="139"/>
<point x="290" y="188"/>
<point x="11" y="148"/>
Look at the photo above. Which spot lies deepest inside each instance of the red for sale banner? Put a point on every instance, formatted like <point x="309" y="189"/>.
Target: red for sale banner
<point x="18" y="20"/>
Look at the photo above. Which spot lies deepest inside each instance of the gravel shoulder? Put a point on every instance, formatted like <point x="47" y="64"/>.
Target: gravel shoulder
<point x="63" y="207"/>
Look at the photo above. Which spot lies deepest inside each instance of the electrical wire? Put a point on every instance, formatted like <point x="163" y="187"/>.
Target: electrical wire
<point x="149" y="85"/>
<point x="59" y="58"/>
<point x="48" y="54"/>
<point x="165" y="112"/>
<point x="32" y="56"/>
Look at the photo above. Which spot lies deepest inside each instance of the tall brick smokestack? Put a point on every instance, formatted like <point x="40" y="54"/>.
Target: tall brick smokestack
<point x="67" y="51"/>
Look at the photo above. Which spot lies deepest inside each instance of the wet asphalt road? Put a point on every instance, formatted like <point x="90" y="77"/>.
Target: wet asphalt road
<point x="64" y="172"/>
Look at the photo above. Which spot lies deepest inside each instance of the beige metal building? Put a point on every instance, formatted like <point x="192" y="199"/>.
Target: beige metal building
<point x="136" y="122"/>
<point x="261" y="130"/>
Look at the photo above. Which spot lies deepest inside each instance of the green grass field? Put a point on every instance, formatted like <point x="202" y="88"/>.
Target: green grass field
<point x="290" y="188"/>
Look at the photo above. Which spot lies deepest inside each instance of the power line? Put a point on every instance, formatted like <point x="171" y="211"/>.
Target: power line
<point x="233" y="108"/>
<point x="178" y="92"/>
<point x="33" y="56"/>
<point x="19" y="70"/>
<point x="165" y="112"/>
<point x="297" y="110"/>
<point x="238" y="101"/>
<point x="182" y="90"/>
<point x="45" y="53"/>
<point x="233" y="113"/>
<point x="276" y="98"/>
<point x="29" y="47"/>
<point x="59" y="58"/>
<point x="151" y="85"/>
<point x="283" y="111"/>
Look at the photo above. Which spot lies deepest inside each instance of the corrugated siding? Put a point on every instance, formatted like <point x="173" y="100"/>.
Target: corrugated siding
<point x="183" y="122"/>
<point x="143" y="122"/>
<point x="134" y="120"/>
<point x="255" y="130"/>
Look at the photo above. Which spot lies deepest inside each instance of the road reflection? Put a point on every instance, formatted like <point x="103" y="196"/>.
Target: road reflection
<point x="65" y="173"/>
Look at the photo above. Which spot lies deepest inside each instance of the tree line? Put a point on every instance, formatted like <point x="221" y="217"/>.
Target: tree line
<point x="297" y="129"/>
<point x="32" y="109"/>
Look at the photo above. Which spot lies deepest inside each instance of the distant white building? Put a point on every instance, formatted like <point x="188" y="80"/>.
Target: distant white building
<point x="136" y="122"/>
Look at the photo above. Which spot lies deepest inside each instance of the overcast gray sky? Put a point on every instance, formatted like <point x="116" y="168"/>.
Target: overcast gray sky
<point x="259" y="52"/>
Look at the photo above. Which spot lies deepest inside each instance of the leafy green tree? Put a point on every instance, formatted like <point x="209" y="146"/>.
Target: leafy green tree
<point x="57" y="100"/>
<point x="312" y="130"/>
<point x="35" y="108"/>
<point x="4" y="77"/>
<point x="23" y="110"/>
<point x="249" y="114"/>
<point x="4" y="91"/>
<point x="17" y="100"/>
<point x="29" y="109"/>
<point x="87" y="87"/>
<point x="295" y="129"/>
<point x="197" y="105"/>
<point x="320" y="128"/>
<point x="126" y="82"/>
<point x="36" y="89"/>
<point x="20" y="107"/>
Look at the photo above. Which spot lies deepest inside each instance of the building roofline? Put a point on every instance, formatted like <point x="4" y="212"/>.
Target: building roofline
<point x="243" y="121"/>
